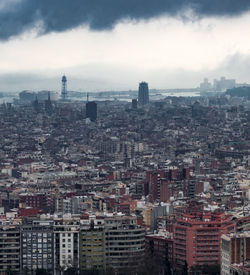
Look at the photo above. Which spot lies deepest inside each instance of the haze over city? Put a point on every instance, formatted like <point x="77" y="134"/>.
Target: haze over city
<point x="124" y="137"/>
<point x="112" y="45"/>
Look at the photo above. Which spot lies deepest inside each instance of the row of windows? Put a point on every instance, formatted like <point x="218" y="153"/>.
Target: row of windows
<point x="44" y="256"/>
<point x="40" y="245"/>
<point x="28" y="261"/>
<point x="36" y="251"/>
<point x="40" y="266"/>
<point x="92" y="233"/>
<point x="64" y="234"/>
<point x="44" y="235"/>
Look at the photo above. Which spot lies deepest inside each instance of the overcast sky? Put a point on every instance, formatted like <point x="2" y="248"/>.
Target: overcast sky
<point x="115" y="44"/>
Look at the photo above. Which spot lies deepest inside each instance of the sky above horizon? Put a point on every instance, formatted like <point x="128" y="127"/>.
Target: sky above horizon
<point x="102" y="48"/>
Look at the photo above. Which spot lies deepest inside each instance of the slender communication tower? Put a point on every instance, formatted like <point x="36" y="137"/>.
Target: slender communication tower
<point x="64" y="93"/>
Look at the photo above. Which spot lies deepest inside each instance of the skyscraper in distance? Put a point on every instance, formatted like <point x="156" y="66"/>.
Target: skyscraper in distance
<point x="143" y="94"/>
<point x="64" y="93"/>
<point x="91" y="110"/>
<point x="134" y="103"/>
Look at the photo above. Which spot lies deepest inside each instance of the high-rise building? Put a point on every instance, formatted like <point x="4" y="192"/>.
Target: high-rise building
<point x="92" y="244"/>
<point x="134" y="104"/>
<point x="197" y="237"/>
<point x="37" y="246"/>
<point x="143" y="94"/>
<point x="9" y="247"/>
<point x="91" y="110"/>
<point x="125" y="243"/>
<point x="66" y="236"/>
<point x="160" y="246"/>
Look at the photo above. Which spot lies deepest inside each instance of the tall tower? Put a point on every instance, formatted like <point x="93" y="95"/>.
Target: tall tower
<point x="91" y="110"/>
<point x="143" y="95"/>
<point x="64" y="93"/>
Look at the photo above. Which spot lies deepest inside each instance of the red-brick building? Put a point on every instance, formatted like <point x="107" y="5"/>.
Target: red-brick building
<point x="197" y="237"/>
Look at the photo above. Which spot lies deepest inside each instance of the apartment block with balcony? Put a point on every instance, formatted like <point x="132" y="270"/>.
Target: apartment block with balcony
<point x="124" y="243"/>
<point x="37" y="247"/>
<point x="9" y="246"/>
<point x="197" y="237"/>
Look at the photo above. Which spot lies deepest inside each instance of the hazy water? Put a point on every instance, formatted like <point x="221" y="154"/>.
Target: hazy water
<point x="8" y="99"/>
<point x="155" y="96"/>
<point x="95" y="97"/>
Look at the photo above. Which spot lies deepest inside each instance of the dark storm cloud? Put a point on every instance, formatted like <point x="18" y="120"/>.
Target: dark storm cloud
<point x="60" y="15"/>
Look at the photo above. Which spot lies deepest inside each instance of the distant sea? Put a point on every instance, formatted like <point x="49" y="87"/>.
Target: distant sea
<point x="154" y="96"/>
<point x="8" y="99"/>
<point x="119" y="96"/>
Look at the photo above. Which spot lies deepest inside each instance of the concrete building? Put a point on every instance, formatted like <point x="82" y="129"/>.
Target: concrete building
<point x="197" y="237"/>
<point x="37" y="246"/>
<point x="124" y="242"/>
<point x="66" y="241"/>
<point x="9" y="246"/>
<point x="240" y="269"/>
<point x="92" y="245"/>
<point x="223" y="84"/>
<point x="235" y="250"/>
<point x="160" y="246"/>
<point x="205" y="86"/>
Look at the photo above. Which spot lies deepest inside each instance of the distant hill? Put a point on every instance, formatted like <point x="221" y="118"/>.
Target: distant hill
<point x="240" y="92"/>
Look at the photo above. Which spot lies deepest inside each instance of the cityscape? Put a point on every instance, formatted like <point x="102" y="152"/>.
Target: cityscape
<point x="124" y="137"/>
<point x="118" y="187"/>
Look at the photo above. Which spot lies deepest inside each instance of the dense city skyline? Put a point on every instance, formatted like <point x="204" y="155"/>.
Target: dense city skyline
<point x="124" y="137"/>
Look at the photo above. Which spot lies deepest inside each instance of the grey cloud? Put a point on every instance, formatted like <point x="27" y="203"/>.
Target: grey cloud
<point x="60" y="15"/>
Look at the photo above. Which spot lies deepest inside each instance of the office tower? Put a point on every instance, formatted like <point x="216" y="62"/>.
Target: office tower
<point x="37" y="246"/>
<point x="91" y="110"/>
<point x="64" y="93"/>
<point x="143" y="95"/>
<point x="134" y="103"/>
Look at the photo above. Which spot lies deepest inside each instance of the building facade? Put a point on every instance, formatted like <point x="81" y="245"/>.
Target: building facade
<point x="37" y="247"/>
<point x="66" y="243"/>
<point x="197" y="237"/>
<point x="125" y="244"/>
<point x="143" y="94"/>
<point x="92" y="245"/>
<point x="9" y="246"/>
<point x="91" y="110"/>
<point x="235" y="250"/>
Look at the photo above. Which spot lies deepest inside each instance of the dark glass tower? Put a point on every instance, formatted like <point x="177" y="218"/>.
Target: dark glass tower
<point x="91" y="110"/>
<point x="143" y="95"/>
